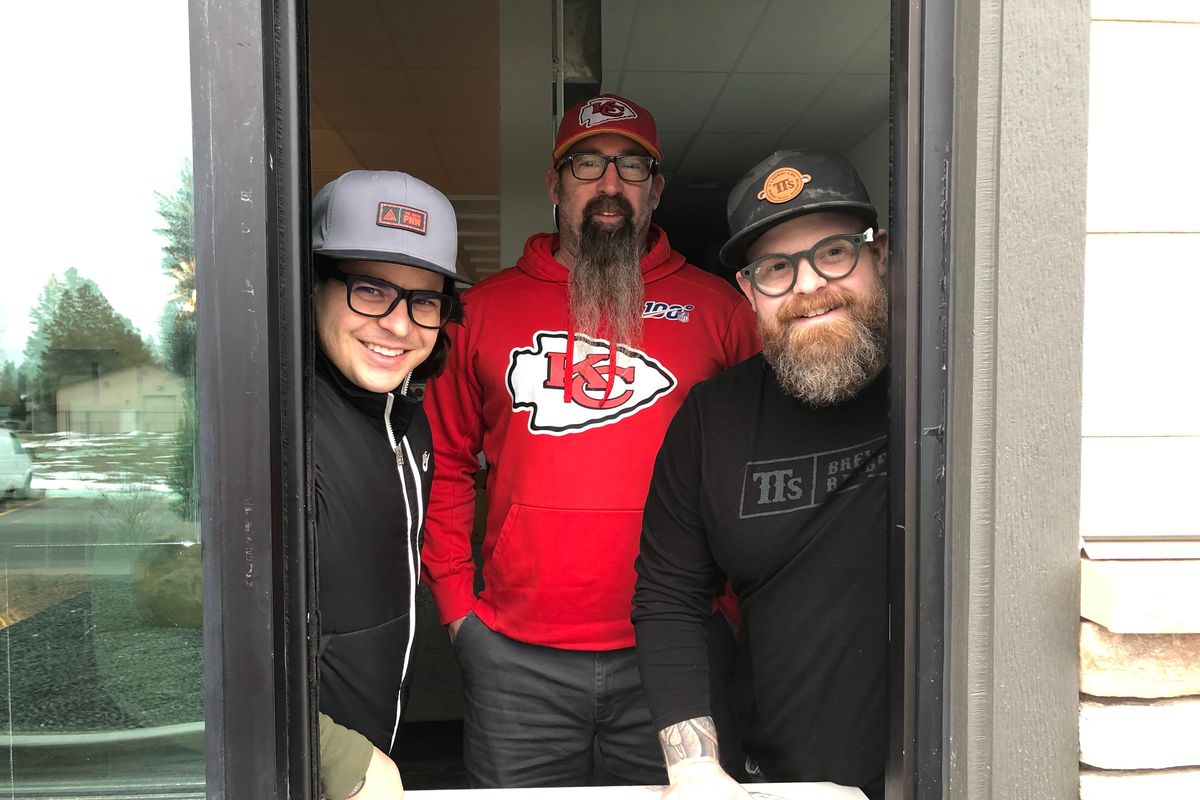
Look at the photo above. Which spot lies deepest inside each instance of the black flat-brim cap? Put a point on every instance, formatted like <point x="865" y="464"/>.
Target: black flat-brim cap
<point x="788" y="184"/>
<point x="381" y="215"/>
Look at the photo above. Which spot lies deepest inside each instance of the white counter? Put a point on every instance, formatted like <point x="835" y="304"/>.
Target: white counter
<point x="759" y="791"/>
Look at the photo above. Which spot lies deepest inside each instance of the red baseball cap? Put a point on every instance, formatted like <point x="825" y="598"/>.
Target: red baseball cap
<point x="607" y="113"/>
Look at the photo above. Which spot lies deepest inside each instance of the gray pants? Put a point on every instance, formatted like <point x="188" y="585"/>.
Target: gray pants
<point x="536" y="716"/>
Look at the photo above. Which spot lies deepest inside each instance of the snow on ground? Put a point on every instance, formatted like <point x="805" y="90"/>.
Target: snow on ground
<point x="74" y="464"/>
<point x="63" y="485"/>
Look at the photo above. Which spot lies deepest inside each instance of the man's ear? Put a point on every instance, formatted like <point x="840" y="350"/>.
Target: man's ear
<point x="553" y="184"/>
<point x="880" y="248"/>
<point x="656" y="188"/>
<point x="747" y="289"/>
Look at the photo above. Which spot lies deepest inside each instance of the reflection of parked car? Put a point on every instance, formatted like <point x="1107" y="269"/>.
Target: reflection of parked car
<point x="16" y="469"/>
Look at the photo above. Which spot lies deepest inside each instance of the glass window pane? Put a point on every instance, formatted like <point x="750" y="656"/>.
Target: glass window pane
<point x="100" y="628"/>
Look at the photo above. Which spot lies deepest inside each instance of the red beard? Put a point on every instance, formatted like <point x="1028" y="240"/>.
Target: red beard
<point x="818" y="341"/>
<point x="828" y="361"/>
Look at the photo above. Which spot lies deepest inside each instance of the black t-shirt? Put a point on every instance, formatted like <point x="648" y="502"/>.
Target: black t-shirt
<point x="789" y="503"/>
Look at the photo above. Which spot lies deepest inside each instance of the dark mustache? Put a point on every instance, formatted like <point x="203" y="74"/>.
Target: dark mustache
<point x="608" y="204"/>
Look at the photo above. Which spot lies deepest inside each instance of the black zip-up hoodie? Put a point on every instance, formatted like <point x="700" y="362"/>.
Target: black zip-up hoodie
<point x="374" y="465"/>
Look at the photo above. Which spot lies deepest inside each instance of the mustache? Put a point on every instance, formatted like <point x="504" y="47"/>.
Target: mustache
<point x="803" y="305"/>
<point x="608" y="204"/>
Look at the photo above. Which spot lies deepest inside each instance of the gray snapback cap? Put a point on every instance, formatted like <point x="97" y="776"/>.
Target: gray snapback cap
<point x="379" y="215"/>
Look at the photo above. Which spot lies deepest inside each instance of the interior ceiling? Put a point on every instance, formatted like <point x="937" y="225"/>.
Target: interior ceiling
<point x="416" y="87"/>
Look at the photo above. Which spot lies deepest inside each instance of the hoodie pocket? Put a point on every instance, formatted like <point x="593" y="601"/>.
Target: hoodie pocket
<point x="361" y="677"/>
<point x="564" y="566"/>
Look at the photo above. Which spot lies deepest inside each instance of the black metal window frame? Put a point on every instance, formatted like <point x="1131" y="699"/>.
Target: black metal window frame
<point x="254" y="357"/>
<point x="253" y="366"/>
<point x="922" y="126"/>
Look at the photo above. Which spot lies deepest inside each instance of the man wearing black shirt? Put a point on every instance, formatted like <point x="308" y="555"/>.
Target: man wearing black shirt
<point x="773" y="475"/>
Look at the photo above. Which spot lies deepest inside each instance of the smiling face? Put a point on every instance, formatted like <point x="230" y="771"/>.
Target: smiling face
<point x="607" y="202"/>
<point x="826" y="339"/>
<point x="375" y="354"/>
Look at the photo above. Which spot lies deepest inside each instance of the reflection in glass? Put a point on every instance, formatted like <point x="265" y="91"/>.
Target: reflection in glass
<point x="100" y="626"/>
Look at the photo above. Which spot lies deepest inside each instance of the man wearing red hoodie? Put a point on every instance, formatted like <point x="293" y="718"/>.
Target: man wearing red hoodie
<point x="565" y="374"/>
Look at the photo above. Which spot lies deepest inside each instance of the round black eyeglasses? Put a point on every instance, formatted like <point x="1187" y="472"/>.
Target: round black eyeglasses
<point x="832" y="258"/>
<point x="373" y="297"/>
<point x="591" y="166"/>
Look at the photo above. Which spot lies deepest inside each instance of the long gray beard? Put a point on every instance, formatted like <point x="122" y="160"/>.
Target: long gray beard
<point x="605" y="285"/>
<point x="834" y="363"/>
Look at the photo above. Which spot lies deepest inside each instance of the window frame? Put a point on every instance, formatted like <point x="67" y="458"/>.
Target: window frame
<point x="919" y="592"/>
<point x="251" y="159"/>
<point x="253" y="332"/>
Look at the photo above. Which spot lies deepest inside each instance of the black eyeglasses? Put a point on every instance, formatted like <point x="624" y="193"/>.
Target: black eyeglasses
<point x="373" y="297"/>
<point x="833" y="257"/>
<point x="591" y="166"/>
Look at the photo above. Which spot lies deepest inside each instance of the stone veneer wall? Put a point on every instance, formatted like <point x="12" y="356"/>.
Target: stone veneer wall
<point x="1139" y="718"/>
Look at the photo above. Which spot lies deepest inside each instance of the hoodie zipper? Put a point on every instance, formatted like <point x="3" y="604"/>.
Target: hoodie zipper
<point x="387" y="423"/>
<point x="398" y="449"/>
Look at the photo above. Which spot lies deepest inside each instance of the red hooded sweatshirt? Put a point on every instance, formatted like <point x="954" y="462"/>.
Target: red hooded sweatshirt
<point x="569" y="441"/>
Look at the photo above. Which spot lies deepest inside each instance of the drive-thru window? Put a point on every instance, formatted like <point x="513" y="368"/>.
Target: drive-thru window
<point x="155" y="315"/>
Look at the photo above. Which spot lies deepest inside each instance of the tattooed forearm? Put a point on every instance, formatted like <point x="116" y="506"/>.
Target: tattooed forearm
<point x="692" y="738"/>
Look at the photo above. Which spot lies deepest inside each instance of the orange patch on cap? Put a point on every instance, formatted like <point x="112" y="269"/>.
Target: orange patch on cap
<point x="783" y="184"/>
<point x="395" y="215"/>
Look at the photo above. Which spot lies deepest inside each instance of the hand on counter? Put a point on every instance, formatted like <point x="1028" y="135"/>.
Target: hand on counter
<point x="382" y="781"/>
<point x="693" y="763"/>
<point x="703" y="779"/>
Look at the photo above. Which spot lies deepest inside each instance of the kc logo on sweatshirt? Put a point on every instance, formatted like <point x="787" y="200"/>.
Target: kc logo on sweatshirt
<point x="537" y="380"/>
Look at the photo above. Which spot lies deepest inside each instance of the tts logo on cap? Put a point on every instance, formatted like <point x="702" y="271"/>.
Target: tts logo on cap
<point x="603" y="110"/>
<point x="783" y="184"/>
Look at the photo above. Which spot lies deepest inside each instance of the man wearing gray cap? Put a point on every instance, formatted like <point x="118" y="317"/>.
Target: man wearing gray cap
<point x="773" y="476"/>
<point x="384" y="252"/>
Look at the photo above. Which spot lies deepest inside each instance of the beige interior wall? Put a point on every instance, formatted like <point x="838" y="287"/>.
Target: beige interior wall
<point x="526" y="122"/>
<point x="871" y="157"/>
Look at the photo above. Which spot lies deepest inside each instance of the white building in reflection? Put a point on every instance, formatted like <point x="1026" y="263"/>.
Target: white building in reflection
<point x="143" y="398"/>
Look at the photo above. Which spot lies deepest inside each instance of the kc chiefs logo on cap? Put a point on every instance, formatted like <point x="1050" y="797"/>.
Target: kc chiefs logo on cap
<point x="407" y="218"/>
<point x="603" y="110"/>
<point x="538" y="375"/>
<point x="783" y="184"/>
